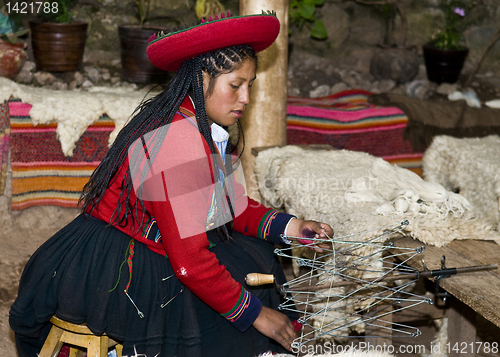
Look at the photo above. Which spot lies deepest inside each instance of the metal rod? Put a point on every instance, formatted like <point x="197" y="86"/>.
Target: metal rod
<point x="266" y="279"/>
<point x="423" y="274"/>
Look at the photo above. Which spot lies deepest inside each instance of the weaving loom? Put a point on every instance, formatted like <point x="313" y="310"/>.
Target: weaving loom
<point x="345" y="288"/>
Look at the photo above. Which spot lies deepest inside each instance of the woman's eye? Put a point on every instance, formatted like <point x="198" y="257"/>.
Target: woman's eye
<point x="234" y="86"/>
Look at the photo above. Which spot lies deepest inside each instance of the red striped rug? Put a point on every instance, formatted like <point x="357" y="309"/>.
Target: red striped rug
<point x="4" y="144"/>
<point x="41" y="174"/>
<point x="347" y="121"/>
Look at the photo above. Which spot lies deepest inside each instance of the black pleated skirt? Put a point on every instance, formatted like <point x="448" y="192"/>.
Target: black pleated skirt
<point x="82" y="272"/>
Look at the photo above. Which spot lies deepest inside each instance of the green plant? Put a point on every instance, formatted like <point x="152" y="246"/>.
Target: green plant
<point x="143" y="7"/>
<point x="205" y="8"/>
<point x="59" y="11"/>
<point x="457" y="17"/>
<point x="302" y="12"/>
<point x="11" y="28"/>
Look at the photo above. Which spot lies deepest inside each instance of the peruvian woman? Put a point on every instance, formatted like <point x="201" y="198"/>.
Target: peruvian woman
<point x="158" y="257"/>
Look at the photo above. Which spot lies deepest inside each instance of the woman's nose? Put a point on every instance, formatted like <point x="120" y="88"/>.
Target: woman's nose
<point x="245" y="95"/>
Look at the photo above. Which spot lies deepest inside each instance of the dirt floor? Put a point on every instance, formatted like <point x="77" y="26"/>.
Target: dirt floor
<point x="21" y="233"/>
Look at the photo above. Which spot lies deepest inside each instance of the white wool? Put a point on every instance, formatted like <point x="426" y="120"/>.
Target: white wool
<point x="354" y="191"/>
<point x="74" y="110"/>
<point x="401" y="191"/>
<point x="267" y="171"/>
<point x="472" y="166"/>
<point x="495" y="103"/>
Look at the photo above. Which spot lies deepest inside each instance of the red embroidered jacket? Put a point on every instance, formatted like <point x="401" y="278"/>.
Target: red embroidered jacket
<point x="177" y="192"/>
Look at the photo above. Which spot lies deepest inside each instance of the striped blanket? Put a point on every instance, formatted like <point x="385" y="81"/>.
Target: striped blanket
<point x="347" y="121"/>
<point x="4" y="144"/>
<point x="41" y="174"/>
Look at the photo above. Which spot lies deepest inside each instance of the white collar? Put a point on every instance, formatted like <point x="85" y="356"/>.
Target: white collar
<point x="219" y="134"/>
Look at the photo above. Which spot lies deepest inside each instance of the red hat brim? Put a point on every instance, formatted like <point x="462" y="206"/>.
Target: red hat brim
<point x="170" y="51"/>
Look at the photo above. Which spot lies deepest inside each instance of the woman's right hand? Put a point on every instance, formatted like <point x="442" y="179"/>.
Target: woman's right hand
<point x="275" y="325"/>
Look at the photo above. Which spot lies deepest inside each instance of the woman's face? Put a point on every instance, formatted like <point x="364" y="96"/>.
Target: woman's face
<point x="230" y="95"/>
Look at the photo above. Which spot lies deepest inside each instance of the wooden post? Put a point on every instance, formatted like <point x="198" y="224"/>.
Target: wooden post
<point x="264" y="121"/>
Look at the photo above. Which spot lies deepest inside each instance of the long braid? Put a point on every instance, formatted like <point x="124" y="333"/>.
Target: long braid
<point x="151" y="114"/>
<point x="155" y="113"/>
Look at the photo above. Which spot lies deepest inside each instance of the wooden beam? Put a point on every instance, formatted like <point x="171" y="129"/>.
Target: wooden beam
<point x="264" y="121"/>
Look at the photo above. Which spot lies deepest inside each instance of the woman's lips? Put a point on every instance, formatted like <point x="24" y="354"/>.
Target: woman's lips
<point x="238" y="113"/>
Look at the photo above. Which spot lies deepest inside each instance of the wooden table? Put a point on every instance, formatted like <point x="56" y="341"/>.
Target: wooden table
<point x="471" y="293"/>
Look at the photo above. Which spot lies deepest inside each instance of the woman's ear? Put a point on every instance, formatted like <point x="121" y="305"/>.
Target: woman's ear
<point x="206" y="83"/>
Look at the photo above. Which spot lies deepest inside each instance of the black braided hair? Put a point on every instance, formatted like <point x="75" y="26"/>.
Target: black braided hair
<point x="156" y="112"/>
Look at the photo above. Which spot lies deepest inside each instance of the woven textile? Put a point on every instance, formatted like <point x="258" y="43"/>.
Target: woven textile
<point x="347" y="121"/>
<point x="4" y="144"/>
<point x="41" y="174"/>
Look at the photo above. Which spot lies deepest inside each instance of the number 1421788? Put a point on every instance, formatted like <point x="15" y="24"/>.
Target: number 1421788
<point x="31" y="7"/>
<point x="466" y="347"/>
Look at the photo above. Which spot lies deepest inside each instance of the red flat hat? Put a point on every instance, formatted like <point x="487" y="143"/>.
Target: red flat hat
<point x="169" y="51"/>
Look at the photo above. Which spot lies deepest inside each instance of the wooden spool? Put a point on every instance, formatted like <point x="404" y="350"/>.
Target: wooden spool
<point x="257" y="279"/>
<point x="76" y="335"/>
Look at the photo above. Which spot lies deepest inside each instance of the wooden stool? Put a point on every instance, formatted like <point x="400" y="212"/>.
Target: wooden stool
<point x="76" y="335"/>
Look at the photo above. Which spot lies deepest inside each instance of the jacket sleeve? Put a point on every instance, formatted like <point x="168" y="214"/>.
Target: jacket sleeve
<point x="256" y="220"/>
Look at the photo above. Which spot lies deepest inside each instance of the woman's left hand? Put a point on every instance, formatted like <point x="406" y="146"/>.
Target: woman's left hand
<point x="310" y="229"/>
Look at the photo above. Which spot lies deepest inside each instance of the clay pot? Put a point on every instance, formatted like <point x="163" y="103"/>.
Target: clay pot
<point x="58" y="47"/>
<point x="12" y="58"/>
<point x="136" y="66"/>
<point x="443" y="65"/>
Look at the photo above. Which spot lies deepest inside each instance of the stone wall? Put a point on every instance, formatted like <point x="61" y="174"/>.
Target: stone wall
<point x="355" y="32"/>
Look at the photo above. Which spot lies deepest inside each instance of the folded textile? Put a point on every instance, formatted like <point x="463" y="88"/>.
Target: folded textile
<point x="346" y="120"/>
<point x="427" y="119"/>
<point x="41" y="173"/>
<point x="4" y="144"/>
